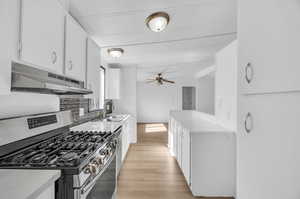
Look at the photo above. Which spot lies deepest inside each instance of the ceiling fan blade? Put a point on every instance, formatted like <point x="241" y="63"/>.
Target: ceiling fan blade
<point x="168" y="81"/>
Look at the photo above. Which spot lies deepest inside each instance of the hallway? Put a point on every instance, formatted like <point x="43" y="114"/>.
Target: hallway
<point x="149" y="170"/>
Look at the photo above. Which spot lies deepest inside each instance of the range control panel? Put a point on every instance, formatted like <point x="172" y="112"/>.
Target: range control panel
<point x="41" y="121"/>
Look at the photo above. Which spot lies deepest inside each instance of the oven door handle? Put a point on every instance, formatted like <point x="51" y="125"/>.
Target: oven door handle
<point x="88" y="187"/>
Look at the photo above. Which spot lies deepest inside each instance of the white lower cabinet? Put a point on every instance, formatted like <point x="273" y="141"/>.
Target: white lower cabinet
<point x="206" y="158"/>
<point x="125" y="138"/>
<point x="186" y="154"/>
<point x="179" y="143"/>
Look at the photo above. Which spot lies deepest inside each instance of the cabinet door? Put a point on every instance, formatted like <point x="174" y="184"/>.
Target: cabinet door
<point x="42" y="34"/>
<point x="113" y="76"/>
<point x="268" y="33"/>
<point x="123" y="143"/>
<point x="171" y="136"/>
<point x="75" y="61"/>
<point x="268" y="154"/>
<point x="174" y="130"/>
<point x="185" y="159"/>
<point x="93" y="73"/>
<point x="125" y="139"/>
<point x="179" y="145"/>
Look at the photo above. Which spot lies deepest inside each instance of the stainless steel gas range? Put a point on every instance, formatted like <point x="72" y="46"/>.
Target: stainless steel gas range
<point x="87" y="160"/>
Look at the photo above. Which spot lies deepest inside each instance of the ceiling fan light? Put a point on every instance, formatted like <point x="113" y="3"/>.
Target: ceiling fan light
<point x="158" y="21"/>
<point x="115" y="52"/>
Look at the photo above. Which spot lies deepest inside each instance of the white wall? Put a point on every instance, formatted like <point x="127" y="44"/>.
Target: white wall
<point x="155" y="102"/>
<point x="206" y="94"/>
<point x="127" y="102"/>
<point x="226" y="86"/>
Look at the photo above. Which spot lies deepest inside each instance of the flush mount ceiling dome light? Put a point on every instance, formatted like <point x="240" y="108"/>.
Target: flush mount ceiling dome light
<point x="158" y="21"/>
<point x="115" y="52"/>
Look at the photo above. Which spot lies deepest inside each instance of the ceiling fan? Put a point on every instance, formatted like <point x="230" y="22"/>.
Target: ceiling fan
<point x="160" y="80"/>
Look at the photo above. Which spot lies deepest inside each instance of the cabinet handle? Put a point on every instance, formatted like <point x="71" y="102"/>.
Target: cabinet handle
<point x="249" y="72"/>
<point x="70" y="67"/>
<point x="54" y="57"/>
<point x="248" y="123"/>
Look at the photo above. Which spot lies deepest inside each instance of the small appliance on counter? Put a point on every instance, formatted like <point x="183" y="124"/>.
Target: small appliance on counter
<point x="108" y="104"/>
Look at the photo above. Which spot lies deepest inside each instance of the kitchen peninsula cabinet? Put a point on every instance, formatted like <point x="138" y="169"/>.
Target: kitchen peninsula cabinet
<point x="205" y="152"/>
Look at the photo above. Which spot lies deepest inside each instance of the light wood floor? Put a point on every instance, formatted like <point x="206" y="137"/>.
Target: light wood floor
<point x="149" y="172"/>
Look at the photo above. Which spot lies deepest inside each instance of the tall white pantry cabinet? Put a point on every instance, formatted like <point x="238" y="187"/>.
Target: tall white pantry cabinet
<point x="268" y="140"/>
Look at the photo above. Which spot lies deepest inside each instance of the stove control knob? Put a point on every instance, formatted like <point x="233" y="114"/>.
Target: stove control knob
<point x="101" y="160"/>
<point x="109" y="151"/>
<point x="95" y="162"/>
<point x="91" y="169"/>
<point x="116" y="142"/>
<point x="102" y="152"/>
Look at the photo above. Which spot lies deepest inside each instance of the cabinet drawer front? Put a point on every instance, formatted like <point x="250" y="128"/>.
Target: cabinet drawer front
<point x="268" y="147"/>
<point x="269" y="43"/>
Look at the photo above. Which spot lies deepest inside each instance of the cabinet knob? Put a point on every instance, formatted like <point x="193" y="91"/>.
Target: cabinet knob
<point x="249" y="73"/>
<point x="70" y="67"/>
<point x="54" y="57"/>
<point x="248" y="123"/>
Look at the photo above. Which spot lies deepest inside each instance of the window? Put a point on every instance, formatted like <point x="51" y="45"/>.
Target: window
<point x="102" y="88"/>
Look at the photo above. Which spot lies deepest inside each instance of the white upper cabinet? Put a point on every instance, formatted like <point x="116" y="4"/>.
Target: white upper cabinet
<point x="269" y="45"/>
<point x="113" y="78"/>
<point x="42" y="34"/>
<point x="75" y="50"/>
<point x="5" y="47"/>
<point x="93" y="73"/>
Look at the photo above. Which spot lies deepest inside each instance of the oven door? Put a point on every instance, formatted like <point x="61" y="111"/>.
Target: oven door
<point x="104" y="185"/>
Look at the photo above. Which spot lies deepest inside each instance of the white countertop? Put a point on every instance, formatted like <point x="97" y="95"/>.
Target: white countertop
<point x="101" y="125"/>
<point x="25" y="184"/>
<point x="198" y="122"/>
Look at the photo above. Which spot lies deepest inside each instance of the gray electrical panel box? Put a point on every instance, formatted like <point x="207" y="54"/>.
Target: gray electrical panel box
<point x="188" y="98"/>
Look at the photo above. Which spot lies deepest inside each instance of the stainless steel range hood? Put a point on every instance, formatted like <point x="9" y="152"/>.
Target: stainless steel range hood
<point x="29" y="79"/>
